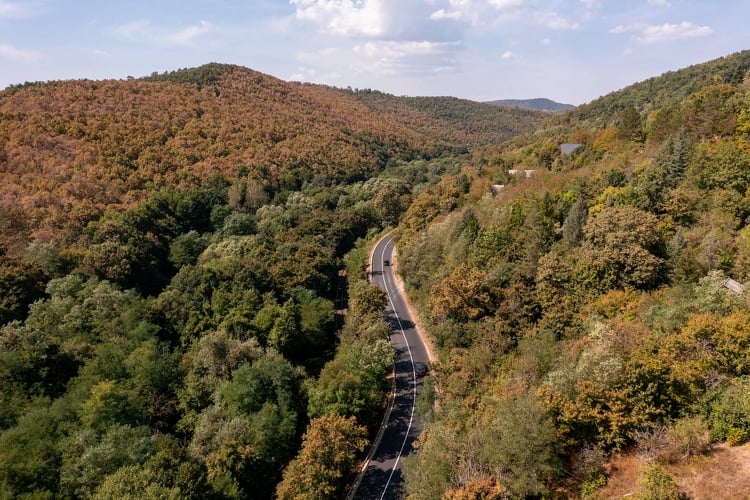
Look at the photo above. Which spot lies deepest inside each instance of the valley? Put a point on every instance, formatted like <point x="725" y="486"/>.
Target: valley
<point x="187" y="306"/>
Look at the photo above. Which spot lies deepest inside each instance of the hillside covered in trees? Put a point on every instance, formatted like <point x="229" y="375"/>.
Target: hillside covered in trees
<point x="452" y="120"/>
<point x="171" y="252"/>
<point x="581" y="315"/>
<point x="171" y="256"/>
<point x="541" y="104"/>
<point x="81" y="147"/>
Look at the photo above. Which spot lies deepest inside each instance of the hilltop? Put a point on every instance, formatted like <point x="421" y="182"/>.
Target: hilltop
<point x="88" y="145"/>
<point x="539" y="104"/>
<point x="668" y="89"/>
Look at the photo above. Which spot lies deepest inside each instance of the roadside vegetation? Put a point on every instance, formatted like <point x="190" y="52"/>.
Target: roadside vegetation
<point x="582" y="313"/>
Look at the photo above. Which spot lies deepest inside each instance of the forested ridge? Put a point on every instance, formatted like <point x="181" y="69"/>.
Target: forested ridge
<point x="456" y="121"/>
<point x="172" y="252"/>
<point x="541" y="104"/>
<point x="82" y="147"/>
<point x="583" y="315"/>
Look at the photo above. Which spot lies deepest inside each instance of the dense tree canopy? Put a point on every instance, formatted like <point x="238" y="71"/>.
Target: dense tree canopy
<point x="174" y="321"/>
<point x="582" y="312"/>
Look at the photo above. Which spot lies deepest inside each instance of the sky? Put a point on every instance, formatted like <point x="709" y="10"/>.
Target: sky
<point x="571" y="51"/>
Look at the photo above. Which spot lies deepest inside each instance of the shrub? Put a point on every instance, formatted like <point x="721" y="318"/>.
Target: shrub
<point x="729" y="414"/>
<point x="687" y="437"/>
<point x="590" y="469"/>
<point x="657" y="484"/>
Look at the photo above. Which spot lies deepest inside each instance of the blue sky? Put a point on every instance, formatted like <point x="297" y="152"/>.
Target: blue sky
<point x="568" y="50"/>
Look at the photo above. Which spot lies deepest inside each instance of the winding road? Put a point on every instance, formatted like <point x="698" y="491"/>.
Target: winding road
<point x="381" y="476"/>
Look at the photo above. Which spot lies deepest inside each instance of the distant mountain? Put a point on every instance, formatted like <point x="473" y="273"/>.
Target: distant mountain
<point x="538" y="104"/>
<point x="459" y="122"/>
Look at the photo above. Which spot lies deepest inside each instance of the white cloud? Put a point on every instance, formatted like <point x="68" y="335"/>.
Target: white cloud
<point x="15" y="10"/>
<point x="507" y="55"/>
<point x="484" y="12"/>
<point x="620" y="28"/>
<point x="391" y="37"/>
<point x="345" y="17"/>
<point x="663" y="3"/>
<point x="649" y="34"/>
<point x="434" y="20"/>
<point x="389" y="58"/>
<point x="505" y="4"/>
<point x="462" y="11"/>
<point x="443" y="14"/>
<point x="671" y="32"/>
<point x="16" y="54"/>
<point x="555" y="21"/>
<point x="590" y="4"/>
<point x="545" y="41"/>
<point x="189" y="34"/>
<point x="394" y="57"/>
<point x="131" y="30"/>
<point x="307" y="74"/>
<point x="143" y="30"/>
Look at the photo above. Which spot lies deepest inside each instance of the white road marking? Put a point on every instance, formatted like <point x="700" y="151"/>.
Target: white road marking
<point x="414" y="381"/>
<point x="376" y="443"/>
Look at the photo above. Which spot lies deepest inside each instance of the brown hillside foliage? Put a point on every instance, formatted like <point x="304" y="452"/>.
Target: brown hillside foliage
<point x="76" y="148"/>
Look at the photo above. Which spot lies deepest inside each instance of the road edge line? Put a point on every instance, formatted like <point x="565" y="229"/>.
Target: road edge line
<point x="389" y="409"/>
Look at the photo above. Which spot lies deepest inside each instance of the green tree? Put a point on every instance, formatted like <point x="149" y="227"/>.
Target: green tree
<point x="21" y="283"/>
<point x="625" y="247"/>
<point x="665" y="173"/>
<point x="285" y="330"/>
<point x="32" y="361"/>
<point x="186" y="248"/>
<point x="721" y="164"/>
<point x="657" y="484"/>
<point x="132" y="482"/>
<point x="431" y="470"/>
<point x="365" y="299"/>
<point x="88" y="457"/>
<point x="29" y="458"/>
<point x="265" y="397"/>
<point x="391" y="199"/>
<point x="238" y="224"/>
<point x="354" y="382"/>
<point x="317" y="320"/>
<point x="154" y="374"/>
<point x="572" y="229"/>
<point x="462" y="295"/>
<point x="329" y="451"/>
<point x="519" y="446"/>
<point x="122" y="254"/>
<point x="729" y="414"/>
<point x="631" y="126"/>
<point x="109" y="403"/>
<point x="209" y="363"/>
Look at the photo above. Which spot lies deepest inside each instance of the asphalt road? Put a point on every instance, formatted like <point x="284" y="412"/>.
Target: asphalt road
<point x="381" y="477"/>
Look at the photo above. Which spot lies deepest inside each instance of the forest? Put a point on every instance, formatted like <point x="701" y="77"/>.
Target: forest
<point x="171" y="264"/>
<point x="185" y="311"/>
<point x="581" y="315"/>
